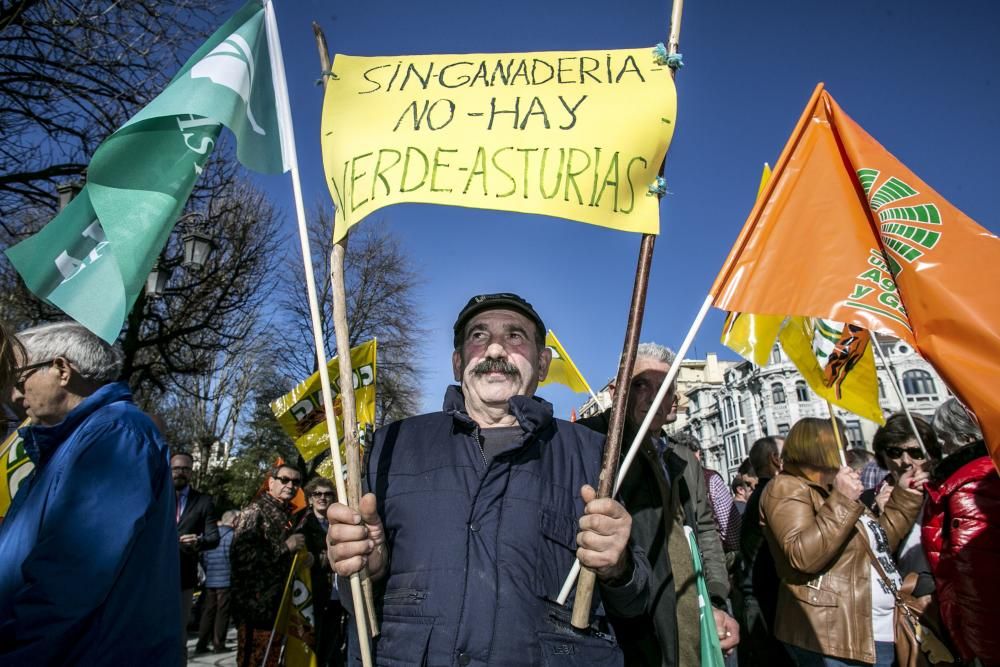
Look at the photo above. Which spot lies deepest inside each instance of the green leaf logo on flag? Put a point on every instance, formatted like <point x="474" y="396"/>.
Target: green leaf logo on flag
<point x="92" y="259"/>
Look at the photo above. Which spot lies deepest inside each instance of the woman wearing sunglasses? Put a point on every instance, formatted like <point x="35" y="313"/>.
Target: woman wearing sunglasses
<point x="897" y="450"/>
<point x="832" y="608"/>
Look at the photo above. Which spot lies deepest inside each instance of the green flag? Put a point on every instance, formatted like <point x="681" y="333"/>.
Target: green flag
<point x="92" y="259"/>
<point x="711" y="650"/>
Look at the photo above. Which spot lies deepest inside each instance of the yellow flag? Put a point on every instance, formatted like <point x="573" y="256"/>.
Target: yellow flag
<point x="296" y="619"/>
<point x="578" y="135"/>
<point x="562" y="370"/>
<point x="837" y="361"/>
<point x="15" y="466"/>
<point x="751" y="336"/>
<point x="300" y="411"/>
<point x="748" y="335"/>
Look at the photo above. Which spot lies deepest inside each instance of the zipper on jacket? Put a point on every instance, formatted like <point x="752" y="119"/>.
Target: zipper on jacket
<point x="479" y="444"/>
<point x="404" y="595"/>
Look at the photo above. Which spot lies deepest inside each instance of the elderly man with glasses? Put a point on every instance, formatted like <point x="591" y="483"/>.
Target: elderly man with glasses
<point x="89" y="569"/>
<point x="260" y="560"/>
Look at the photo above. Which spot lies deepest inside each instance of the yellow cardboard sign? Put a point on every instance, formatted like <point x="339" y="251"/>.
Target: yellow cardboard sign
<point x="575" y="134"/>
<point x="300" y="411"/>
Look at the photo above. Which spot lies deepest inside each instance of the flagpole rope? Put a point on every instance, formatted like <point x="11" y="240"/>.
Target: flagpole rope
<point x="899" y="393"/>
<point x="291" y="160"/>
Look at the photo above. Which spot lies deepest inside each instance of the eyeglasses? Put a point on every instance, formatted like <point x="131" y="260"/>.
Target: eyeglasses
<point x="915" y="453"/>
<point x="330" y="495"/>
<point x="25" y="372"/>
<point x="285" y="481"/>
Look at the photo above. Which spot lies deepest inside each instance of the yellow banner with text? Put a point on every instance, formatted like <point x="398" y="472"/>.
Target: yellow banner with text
<point x="300" y="411"/>
<point x="578" y="135"/>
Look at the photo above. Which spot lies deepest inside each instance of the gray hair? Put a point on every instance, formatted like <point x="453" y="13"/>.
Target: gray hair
<point x="90" y="356"/>
<point x="954" y="426"/>
<point x="655" y="352"/>
<point x="229" y="517"/>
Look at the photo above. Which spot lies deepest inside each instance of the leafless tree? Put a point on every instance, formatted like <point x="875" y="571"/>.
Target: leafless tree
<point x="210" y="416"/>
<point x="204" y="313"/>
<point x="381" y="286"/>
<point x="71" y="73"/>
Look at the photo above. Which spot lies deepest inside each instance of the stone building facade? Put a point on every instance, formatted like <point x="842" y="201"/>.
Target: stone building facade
<point x="752" y="402"/>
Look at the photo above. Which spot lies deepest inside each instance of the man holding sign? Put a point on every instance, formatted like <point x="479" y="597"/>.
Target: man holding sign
<point x="475" y="514"/>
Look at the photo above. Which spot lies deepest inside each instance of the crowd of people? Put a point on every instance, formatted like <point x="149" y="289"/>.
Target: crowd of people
<point x="472" y="519"/>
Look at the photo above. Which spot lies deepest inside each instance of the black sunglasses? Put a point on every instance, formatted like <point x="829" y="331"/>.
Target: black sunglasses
<point x="915" y="453"/>
<point x="285" y="481"/>
<point x="25" y="372"/>
<point x="324" y="494"/>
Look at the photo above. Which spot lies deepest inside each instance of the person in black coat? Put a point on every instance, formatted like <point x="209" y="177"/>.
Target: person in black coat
<point x="197" y="531"/>
<point x="329" y="614"/>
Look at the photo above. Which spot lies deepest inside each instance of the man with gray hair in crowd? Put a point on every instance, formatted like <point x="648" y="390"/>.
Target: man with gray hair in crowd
<point x="90" y="571"/>
<point x="664" y="490"/>
<point x="954" y="427"/>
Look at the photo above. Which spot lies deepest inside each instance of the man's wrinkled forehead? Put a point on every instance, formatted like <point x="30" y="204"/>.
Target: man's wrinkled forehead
<point x="502" y="319"/>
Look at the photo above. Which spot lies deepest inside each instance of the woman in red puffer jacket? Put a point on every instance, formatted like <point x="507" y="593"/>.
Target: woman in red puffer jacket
<point x="961" y="535"/>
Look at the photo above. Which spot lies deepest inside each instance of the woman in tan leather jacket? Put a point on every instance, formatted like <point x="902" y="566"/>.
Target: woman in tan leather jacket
<point x="833" y="607"/>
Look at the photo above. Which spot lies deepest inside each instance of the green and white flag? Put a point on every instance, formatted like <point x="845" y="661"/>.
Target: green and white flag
<point x="92" y="260"/>
<point x="711" y="650"/>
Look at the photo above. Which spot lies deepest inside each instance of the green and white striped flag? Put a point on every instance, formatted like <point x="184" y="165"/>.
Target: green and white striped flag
<point x="92" y="259"/>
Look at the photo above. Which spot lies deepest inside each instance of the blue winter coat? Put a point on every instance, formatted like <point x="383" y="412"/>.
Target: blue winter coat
<point x="89" y="571"/>
<point x="477" y="551"/>
<point x="216" y="561"/>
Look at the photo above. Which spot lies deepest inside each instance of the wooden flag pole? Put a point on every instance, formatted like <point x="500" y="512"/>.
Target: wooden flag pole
<point x="612" y="446"/>
<point x="899" y="392"/>
<point x="352" y="447"/>
<point x="288" y="150"/>
<point x="836" y="434"/>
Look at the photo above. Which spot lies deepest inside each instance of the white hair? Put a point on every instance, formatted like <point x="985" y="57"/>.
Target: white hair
<point x="656" y="352"/>
<point x="954" y="426"/>
<point x="90" y="356"/>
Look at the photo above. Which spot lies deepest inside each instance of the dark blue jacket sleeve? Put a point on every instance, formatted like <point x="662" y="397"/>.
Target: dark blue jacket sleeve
<point x="92" y="518"/>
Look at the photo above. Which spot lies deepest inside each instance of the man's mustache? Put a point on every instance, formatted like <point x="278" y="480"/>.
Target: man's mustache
<point x="496" y="366"/>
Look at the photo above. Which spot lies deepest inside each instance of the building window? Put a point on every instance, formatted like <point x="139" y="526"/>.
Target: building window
<point x="855" y="438"/>
<point x="733" y="449"/>
<point x="776" y="355"/>
<point x="782" y="430"/>
<point x="801" y="391"/>
<point x="777" y="393"/>
<point x="918" y="383"/>
<point x="729" y="412"/>
<point x="881" y="389"/>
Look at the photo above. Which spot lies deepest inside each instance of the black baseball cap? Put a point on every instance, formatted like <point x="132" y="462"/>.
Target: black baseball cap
<point x="507" y="300"/>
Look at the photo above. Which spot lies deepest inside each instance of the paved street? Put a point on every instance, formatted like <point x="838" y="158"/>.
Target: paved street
<point x="216" y="659"/>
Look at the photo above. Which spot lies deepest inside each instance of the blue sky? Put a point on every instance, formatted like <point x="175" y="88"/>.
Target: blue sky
<point x="919" y="76"/>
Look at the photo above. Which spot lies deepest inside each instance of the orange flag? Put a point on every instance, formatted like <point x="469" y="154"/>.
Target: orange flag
<point x="843" y="231"/>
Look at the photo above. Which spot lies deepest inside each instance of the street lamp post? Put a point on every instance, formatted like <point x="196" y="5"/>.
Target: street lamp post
<point x="197" y="246"/>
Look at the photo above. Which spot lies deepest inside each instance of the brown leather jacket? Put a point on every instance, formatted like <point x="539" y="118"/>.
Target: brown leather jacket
<point x="824" y="598"/>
